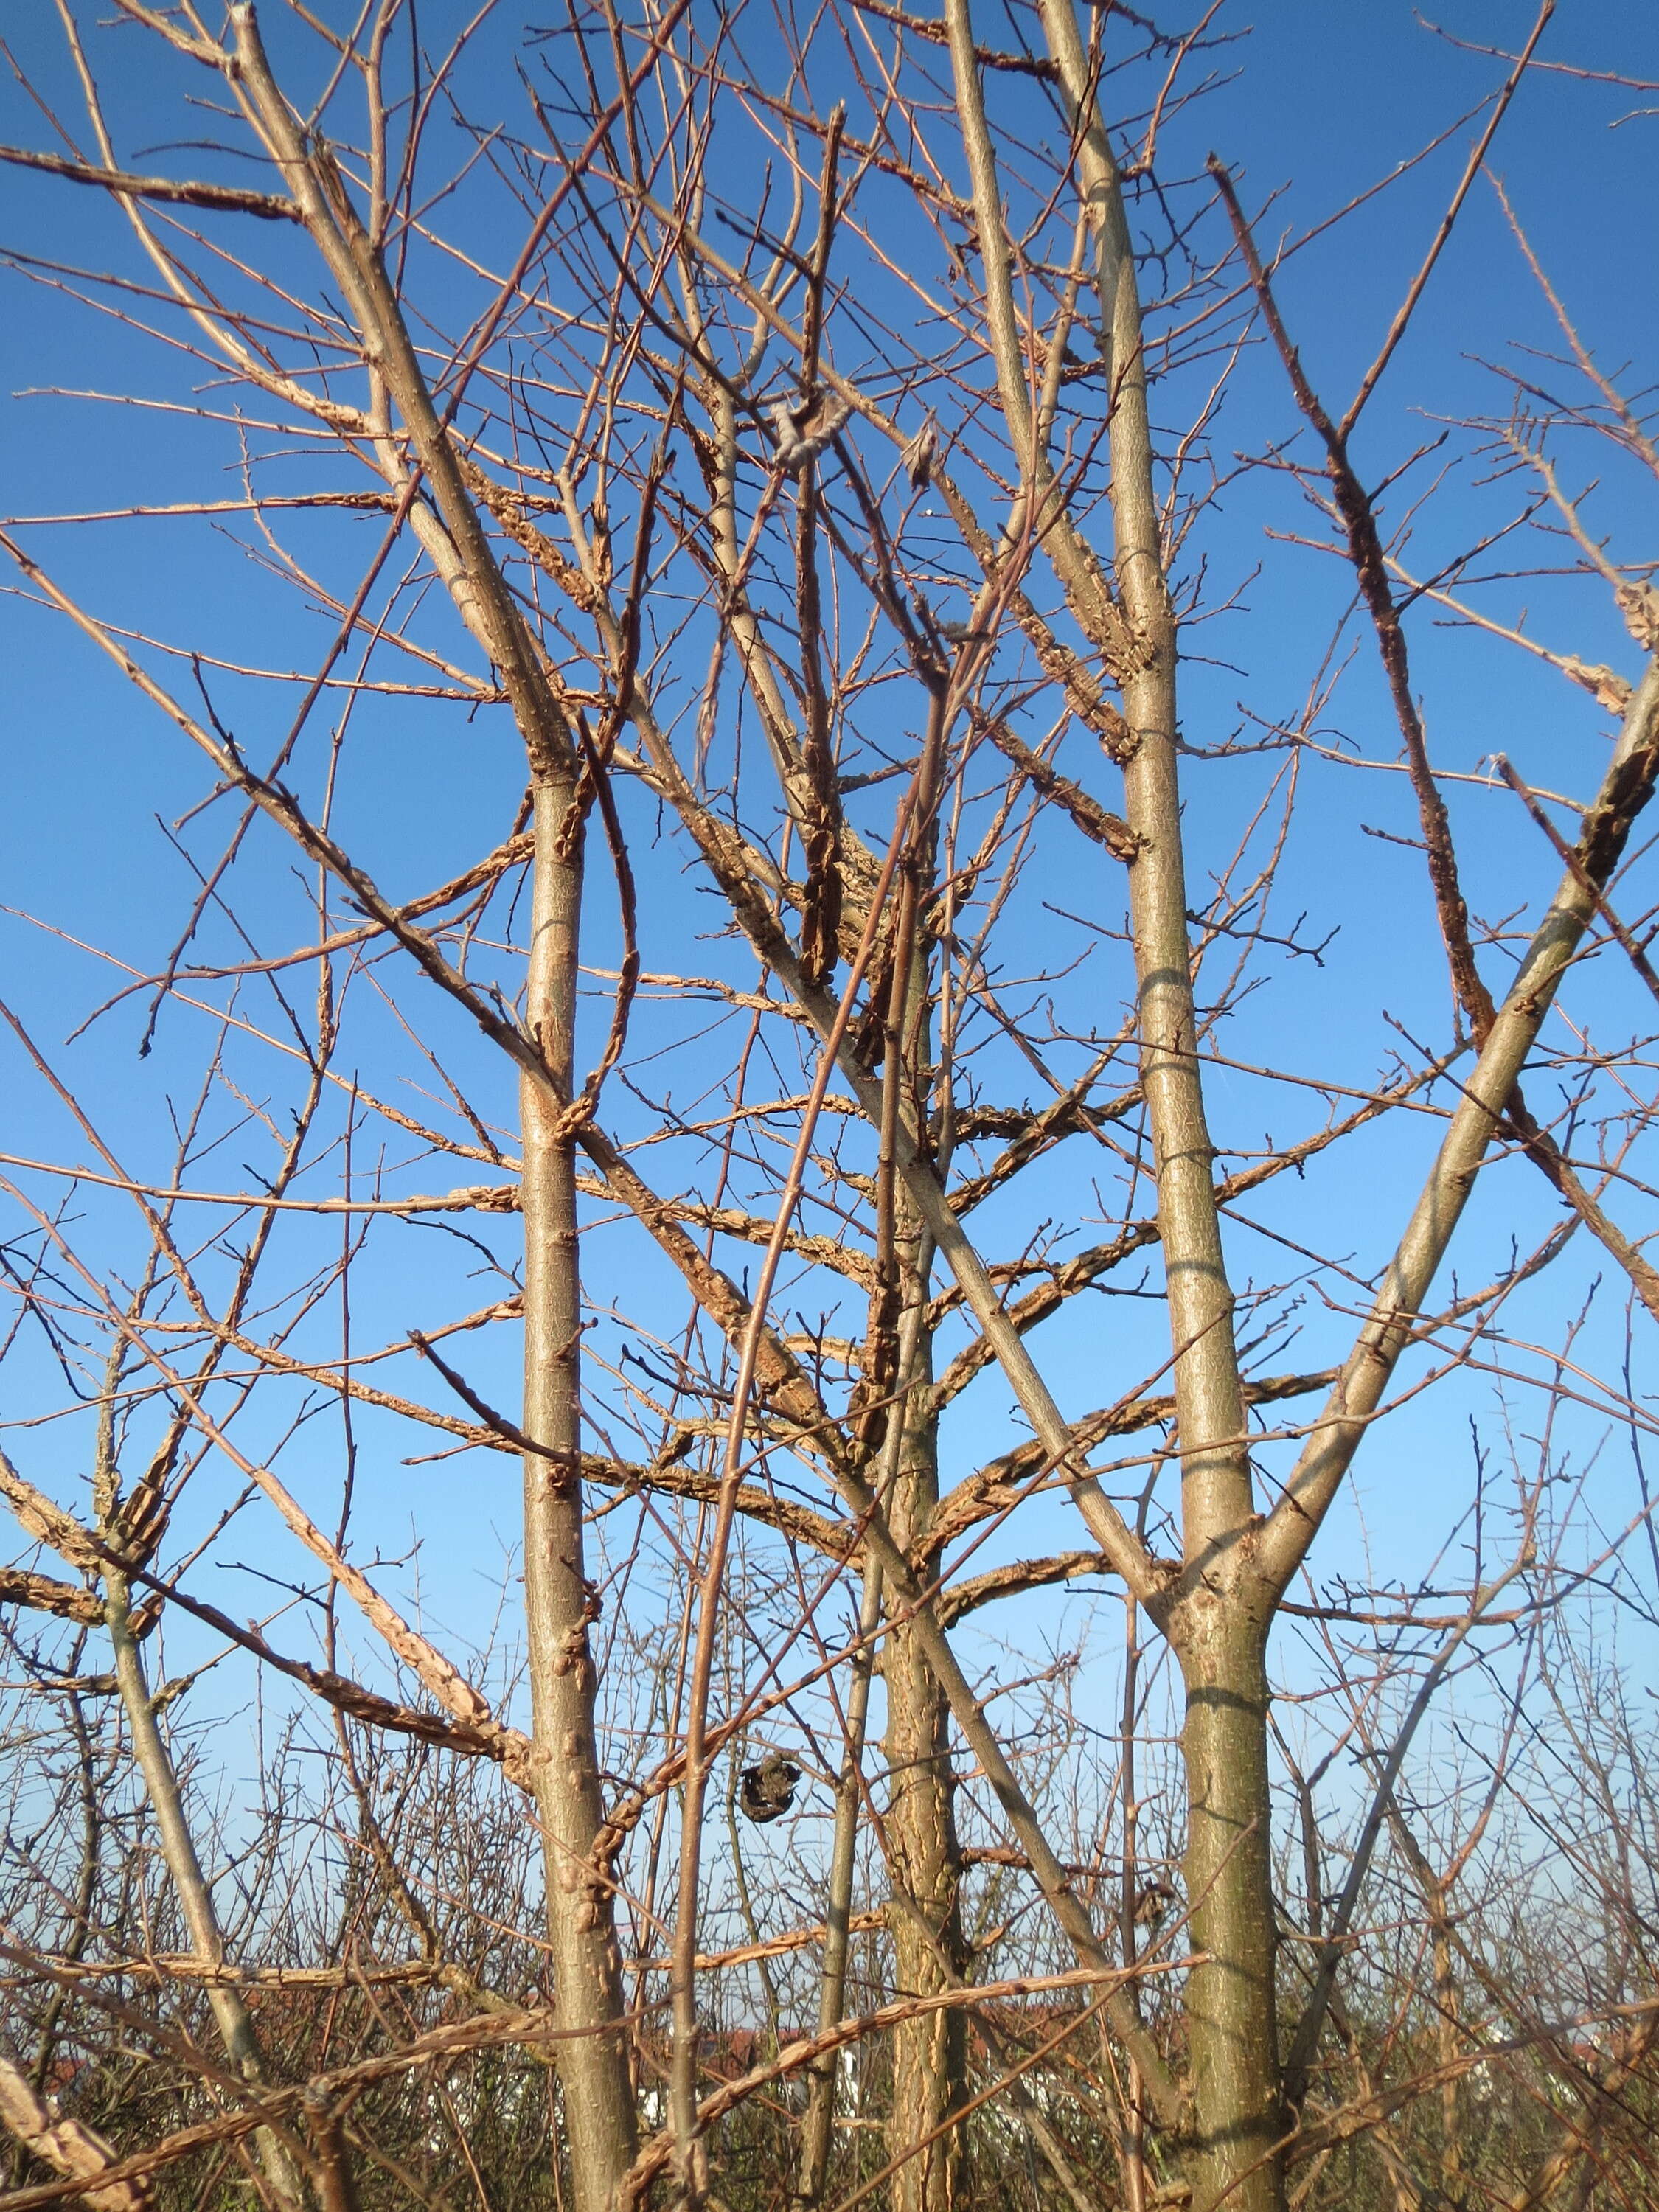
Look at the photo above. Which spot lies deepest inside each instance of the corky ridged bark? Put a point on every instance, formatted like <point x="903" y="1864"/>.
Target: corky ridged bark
<point x="559" y="1600"/>
<point x="1218" y="1616"/>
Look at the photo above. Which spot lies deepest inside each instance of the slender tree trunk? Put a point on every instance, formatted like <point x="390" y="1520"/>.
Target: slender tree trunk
<point x="1218" y="1615"/>
<point x="160" y="1776"/>
<point x="929" y="2053"/>
<point x="818" y="2121"/>
<point x="1132" y="2150"/>
<point x="1231" y="2020"/>
<point x="559" y="1601"/>
<point x="559" y="1604"/>
<point x="1215" y="1610"/>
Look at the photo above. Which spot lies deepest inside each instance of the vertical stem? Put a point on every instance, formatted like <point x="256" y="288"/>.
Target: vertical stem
<point x="691" y="2152"/>
<point x="592" y="2064"/>
<point x="1232" y="2030"/>
<point x="85" y="1888"/>
<point x="559" y="1600"/>
<point x="337" y="2182"/>
<point x="1218" y="1620"/>
<point x="1451" y="2038"/>
<point x="1131" y="2157"/>
<point x="1215" y="1497"/>
<point x="160" y="1778"/>
<point x="930" y="2052"/>
<point x="818" y="2124"/>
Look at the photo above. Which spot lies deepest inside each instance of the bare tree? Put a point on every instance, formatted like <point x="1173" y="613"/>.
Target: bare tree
<point x="817" y="431"/>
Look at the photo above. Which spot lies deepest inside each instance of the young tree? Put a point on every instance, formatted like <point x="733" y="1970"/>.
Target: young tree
<point x="821" y="478"/>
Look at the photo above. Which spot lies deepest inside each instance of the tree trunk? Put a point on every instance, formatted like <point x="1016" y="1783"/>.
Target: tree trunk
<point x="559" y="1601"/>
<point x="1231" y="2020"/>
<point x="559" y="1604"/>
<point x="155" y="1757"/>
<point x="818" y="2121"/>
<point x="1217" y="1615"/>
<point x="929" y="2053"/>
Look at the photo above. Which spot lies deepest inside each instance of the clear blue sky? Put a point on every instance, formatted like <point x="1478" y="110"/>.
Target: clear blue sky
<point x="1328" y="95"/>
